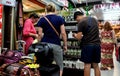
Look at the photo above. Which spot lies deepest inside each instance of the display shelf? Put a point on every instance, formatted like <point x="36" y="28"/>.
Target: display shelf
<point x="72" y="44"/>
<point x="71" y="28"/>
<point x="71" y="22"/>
<point x="72" y="39"/>
<point x="74" y="47"/>
<point x="68" y="30"/>
<point x="69" y="57"/>
<point x="72" y="54"/>
<point x="73" y="72"/>
<point x="72" y="65"/>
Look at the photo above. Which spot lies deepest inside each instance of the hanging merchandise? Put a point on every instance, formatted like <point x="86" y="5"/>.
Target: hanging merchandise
<point x="64" y="13"/>
<point x="1" y="6"/>
<point x="70" y="6"/>
<point x="86" y="8"/>
<point x="87" y="11"/>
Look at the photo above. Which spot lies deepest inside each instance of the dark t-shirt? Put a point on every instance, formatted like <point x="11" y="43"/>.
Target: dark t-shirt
<point x="49" y="34"/>
<point x="89" y="27"/>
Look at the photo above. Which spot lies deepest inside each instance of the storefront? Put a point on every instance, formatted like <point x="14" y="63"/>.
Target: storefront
<point x="94" y="8"/>
<point x="13" y="12"/>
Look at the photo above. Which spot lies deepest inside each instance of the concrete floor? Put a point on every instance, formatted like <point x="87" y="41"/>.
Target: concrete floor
<point x="112" y="72"/>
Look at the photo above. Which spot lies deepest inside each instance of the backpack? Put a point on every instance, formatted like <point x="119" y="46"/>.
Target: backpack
<point x="10" y="56"/>
<point x="44" y="56"/>
<point x="43" y="52"/>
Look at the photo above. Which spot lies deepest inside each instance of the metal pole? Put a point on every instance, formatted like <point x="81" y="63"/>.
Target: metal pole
<point x="12" y="30"/>
<point x="86" y="3"/>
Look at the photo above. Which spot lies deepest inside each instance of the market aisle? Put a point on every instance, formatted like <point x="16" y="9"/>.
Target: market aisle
<point x="113" y="72"/>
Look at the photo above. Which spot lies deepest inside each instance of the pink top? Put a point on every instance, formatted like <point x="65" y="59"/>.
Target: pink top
<point x="28" y="28"/>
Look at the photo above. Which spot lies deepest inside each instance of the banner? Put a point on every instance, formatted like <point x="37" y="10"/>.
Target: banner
<point x="107" y="6"/>
<point x="1" y="6"/>
<point x="108" y="11"/>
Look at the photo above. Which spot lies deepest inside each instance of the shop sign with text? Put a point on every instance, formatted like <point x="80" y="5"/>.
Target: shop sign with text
<point x="8" y="2"/>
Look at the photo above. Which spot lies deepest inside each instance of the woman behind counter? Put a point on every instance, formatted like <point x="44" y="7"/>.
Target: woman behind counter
<point x="29" y="32"/>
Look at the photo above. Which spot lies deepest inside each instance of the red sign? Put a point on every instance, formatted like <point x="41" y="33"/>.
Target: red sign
<point x="1" y="7"/>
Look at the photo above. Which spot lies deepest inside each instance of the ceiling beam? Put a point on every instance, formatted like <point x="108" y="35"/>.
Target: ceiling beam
<point x="89" y="3"/>
<point x="83" y="4"/>
<point x="38" y="3"/>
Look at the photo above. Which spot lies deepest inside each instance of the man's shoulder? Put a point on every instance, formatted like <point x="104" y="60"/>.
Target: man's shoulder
<point x="82" y="21"/>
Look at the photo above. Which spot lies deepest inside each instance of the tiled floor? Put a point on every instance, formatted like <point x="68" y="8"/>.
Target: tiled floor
<point x="113" y="72"/>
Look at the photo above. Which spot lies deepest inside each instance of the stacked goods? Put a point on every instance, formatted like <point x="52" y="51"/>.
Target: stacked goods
<point x="10" y="56"/>
<point x="17" y="69"/>
<point x="15" y="63"/>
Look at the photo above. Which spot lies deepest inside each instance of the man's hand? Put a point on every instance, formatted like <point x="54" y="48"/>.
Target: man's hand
<point x="78" y="35"/>
<point x="74" y="35"/>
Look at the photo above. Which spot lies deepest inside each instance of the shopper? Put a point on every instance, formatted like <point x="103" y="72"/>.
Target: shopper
<point x="29" y="32"/>
<point x="88" y="33"/>
<point x="50" y="36"/>
<point x="100" y="25"/>
<point x="107" y="46"/>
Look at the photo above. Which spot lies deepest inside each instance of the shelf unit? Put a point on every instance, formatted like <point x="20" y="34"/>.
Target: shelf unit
<point x="72" y="65"/>
<point x="72" y="72"/>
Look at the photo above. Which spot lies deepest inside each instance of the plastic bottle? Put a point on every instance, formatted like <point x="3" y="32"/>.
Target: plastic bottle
<point x="78" y="64"/>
